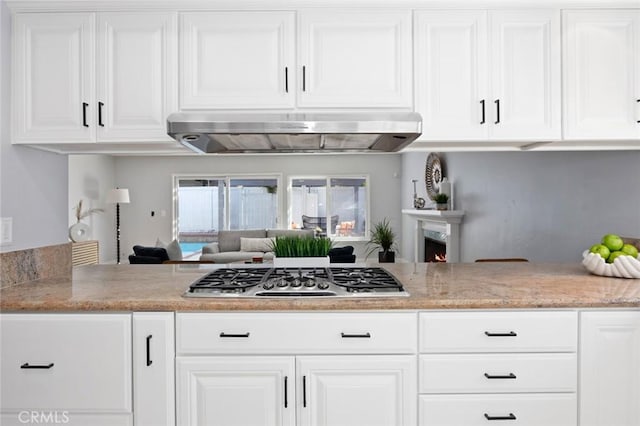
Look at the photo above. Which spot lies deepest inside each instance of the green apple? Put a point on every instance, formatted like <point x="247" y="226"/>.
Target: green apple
<point x="613" y="242"/>
<point x="615" y="254"/>
<point x="630" y="249"/>
<point x="600" y="249"/>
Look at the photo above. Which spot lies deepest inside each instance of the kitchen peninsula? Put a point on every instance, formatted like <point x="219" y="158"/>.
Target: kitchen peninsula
<point x="472" y="342"/>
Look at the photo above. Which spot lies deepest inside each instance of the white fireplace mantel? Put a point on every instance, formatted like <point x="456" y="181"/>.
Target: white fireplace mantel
<point x="444" y="221"/>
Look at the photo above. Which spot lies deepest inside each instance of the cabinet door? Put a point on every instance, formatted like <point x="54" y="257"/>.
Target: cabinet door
<point x="137" y="75"/>
<point x="53" y="70"/>
<point x="237" y="60"/>
<point x="525" y="75"/>
<point x="355" y="58"/>
<point x="610" y="368"/>
<point x="153" y="369"/>
<point x="356" y="390"/>
<point x="451" y="74"/>
<point x="235" y="391"/>
<point x="602" y="74"/>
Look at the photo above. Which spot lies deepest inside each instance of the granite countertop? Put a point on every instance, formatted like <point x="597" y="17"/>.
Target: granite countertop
<point x="431" y="286"/>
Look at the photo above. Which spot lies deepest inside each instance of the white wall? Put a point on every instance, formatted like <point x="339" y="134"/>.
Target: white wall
<point x="150" y="185"/>
<point x="544" y="206"/>
<point x="90" y="178"/>
<point x="33" y="184"/>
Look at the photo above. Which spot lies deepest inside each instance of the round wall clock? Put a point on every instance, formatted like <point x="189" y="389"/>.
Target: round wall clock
<point x="434" y="172"/>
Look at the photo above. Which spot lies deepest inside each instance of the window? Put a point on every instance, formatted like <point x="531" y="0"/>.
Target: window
<point x="334" y="206"/>
<point x="205" y="205"/>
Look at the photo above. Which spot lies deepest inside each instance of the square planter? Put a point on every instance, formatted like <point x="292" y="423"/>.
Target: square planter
<point x="301" y="262"/>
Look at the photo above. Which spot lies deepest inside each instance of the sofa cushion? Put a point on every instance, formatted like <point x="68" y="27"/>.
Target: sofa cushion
<point x="156" y="252"/>
<point x="235" y="256"/>
<point x="173" y="249"/>
<point x="230" y="240"/>
<point x="272" y="233"/>
<point x="256" y="244"/>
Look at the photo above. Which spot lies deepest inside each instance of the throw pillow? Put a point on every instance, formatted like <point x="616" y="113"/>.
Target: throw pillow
<point x="256" y="244"/>
<point x="173" y="249"/>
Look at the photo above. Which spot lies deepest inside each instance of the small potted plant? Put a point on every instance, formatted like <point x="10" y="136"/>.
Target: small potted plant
<point x="384" y="239"/>
<point x="294" y="251"/>
<point x="442" y="201"/>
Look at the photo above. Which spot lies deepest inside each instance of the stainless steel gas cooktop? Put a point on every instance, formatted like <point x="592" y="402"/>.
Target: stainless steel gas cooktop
<point x="297" y="282"/>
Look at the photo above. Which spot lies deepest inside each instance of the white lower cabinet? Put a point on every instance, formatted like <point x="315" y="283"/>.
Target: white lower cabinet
<point x="72" y="367"/>
<point x="354" y="369"/>
<point x="252" y="390"/>
<point x="521" y="409"/>
<point x="610" y="368"/>
<point x="479" y="367"/>
<point x="153" y="369"/>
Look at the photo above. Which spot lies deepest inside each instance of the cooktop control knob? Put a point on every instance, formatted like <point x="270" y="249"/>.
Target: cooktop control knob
<point x="323" y="285"/>
<point x="310" y="283"/>
<point x="268" y="285"/>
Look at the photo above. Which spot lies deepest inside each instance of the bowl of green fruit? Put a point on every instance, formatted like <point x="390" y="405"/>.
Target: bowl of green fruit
<point x="612" y="258"/>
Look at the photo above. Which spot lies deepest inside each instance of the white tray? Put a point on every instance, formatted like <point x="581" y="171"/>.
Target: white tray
<point x="622" y="266"/>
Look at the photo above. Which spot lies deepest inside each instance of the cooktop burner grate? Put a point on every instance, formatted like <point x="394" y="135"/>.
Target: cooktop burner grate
<point x="236" y="280"/>
<point x="364" y="279"/>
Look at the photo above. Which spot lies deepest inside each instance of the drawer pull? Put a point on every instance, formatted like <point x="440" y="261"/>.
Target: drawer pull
<point x="511" y="416"/>
<point x="223" y="334"/>
<point x="500" y="376"/>
<point x="38" y="367"/>
<point x="149" y="361"/>
<point x="366" y="335"/>
<point x="509" y="334"/>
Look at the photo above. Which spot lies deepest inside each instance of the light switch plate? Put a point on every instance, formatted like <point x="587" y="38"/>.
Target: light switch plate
<point x="6" y="230"/>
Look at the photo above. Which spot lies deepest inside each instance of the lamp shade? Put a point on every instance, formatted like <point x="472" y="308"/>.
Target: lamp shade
<point x="118" y="195"/>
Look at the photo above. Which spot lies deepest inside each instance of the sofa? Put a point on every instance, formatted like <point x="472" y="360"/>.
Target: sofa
<point x="238" y="246"/>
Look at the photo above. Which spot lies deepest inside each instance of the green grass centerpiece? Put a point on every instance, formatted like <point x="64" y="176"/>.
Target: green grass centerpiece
<point x="293" y="251"/>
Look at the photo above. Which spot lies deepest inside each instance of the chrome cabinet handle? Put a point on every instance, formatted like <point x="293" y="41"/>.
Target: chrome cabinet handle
<point x="366" y="335"/>
<point x="223" y="334"/>
<point x="149" y="361"/>
<point x="483" y="115"/>
<point x="84" y="114"/>
<point x="511" y="416"/>
<point x="509" y="334"/>
<point x="497" y="102"/>
<point x="28" y="366"/>
<point x="500" y="376"/>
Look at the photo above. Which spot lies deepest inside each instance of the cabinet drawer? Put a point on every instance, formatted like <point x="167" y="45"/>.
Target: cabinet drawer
<point x="498" y="332"/>
<point x="299" y="333"/>
<point x="472" y="410"/>
<point x="495" y="373"/>
<point x="66" y="418"/>
<point x="83" y="362"/>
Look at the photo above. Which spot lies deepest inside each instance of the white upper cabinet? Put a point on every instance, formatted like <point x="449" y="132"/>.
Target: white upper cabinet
<point x="525" y="74"/>
<point x="602" y="74"/>
<point x="136" y="68"/>
<point x="57" y="97"/>
<point x="451" y="80"/>
<point x="354" y="58"/>
<point x="53" y="77"/>
<point x="489" y="74"/>
<point x="237" y="60"/>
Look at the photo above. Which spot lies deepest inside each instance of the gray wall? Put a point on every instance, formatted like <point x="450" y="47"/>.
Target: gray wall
<point x="90" y="178"/>
<point x="544" y="206"/>
<point x="33" y="184"/>
<point x="149" y="181"/>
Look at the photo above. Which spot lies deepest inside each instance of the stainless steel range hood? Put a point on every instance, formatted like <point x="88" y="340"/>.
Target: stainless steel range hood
<point x="214" y="132"/>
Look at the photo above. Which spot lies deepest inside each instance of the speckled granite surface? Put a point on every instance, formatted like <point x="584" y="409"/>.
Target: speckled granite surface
<point x="35" y="264"/>
<point x="432" y="286"/>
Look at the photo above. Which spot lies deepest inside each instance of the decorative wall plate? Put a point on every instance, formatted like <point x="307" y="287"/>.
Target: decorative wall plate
<point x="79" y="232"/>
<point x="434" y="172"/>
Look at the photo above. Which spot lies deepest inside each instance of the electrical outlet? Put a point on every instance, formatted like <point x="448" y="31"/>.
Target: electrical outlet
<point x="6" y="230"/>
